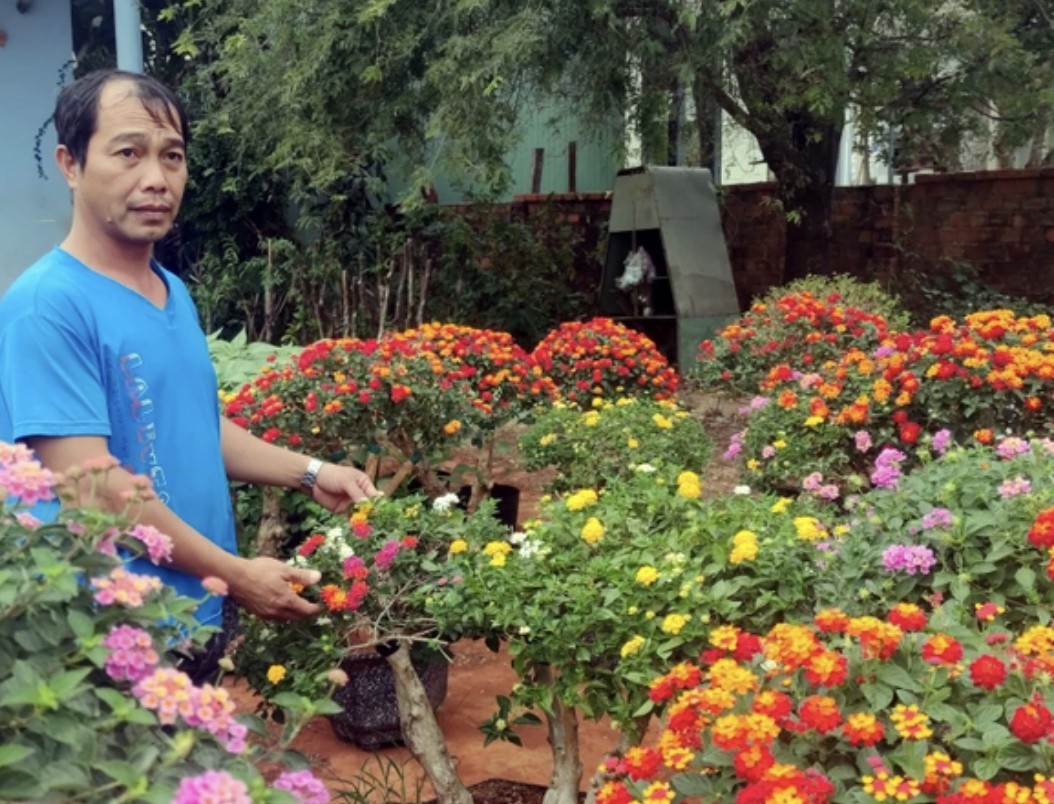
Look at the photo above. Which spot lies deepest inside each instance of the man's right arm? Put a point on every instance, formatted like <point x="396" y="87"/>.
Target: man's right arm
<point x="261" y="585"/>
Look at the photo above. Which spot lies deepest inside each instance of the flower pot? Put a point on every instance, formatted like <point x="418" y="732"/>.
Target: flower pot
<point x="370" y="719"/>
<point x="506" y="498"/>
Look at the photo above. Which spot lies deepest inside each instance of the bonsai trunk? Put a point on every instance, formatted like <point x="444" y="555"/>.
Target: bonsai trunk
<point x="563" y="739"/>
<point x="627" y="739"/>
<point x="271" y="531"/>
<point x="421" y="731"/>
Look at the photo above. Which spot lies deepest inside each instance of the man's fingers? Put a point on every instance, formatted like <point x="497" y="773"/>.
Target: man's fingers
<point x="306" y="577"/>
<point x="298" y="608"/>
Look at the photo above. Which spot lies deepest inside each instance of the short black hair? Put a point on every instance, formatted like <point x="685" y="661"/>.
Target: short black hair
<point x="77" y="109"/>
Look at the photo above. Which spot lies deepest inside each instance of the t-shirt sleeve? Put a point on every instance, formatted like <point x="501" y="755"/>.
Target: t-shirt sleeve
<point x="51" y="380"/>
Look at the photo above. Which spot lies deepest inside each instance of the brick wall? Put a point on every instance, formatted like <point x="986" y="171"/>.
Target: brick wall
<point x="1002" y="222"/>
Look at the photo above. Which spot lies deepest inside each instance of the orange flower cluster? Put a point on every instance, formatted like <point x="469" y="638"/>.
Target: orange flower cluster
<point x="753" y="707"/>
<point x="799" y="328"/>
<point x="421" y="387"/>
<point x="499" y="371"/>
<point x="604" y="358"/>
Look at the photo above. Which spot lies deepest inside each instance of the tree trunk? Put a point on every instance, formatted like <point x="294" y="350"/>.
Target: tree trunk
<point x="563" y="739"/>
<point x="271" y="530"/>
<point x="806" y="175"/>
<point x="627" y="739"/>
<point x="421" y="731"/>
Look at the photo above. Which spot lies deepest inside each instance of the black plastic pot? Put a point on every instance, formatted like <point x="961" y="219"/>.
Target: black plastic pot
<point x="506" y="498"/>
<point x="370" y="718"/>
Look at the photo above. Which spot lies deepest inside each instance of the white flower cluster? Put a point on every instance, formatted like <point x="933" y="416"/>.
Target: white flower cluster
<point x="445" y="503"/>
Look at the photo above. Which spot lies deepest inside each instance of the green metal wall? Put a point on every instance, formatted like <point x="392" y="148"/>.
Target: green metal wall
<point x="552" y="124"/>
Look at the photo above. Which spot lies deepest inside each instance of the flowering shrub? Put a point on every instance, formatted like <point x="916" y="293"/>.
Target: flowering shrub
<point x="377" y="569"/>
<point x="607" y="587"/>
<point x="611" y="439"/>
<point x="988" y="374"/>
<point x="87" y="684"/>
<point x="797" y="325"/>
<point x="910" y="706"/>
<point x="961" y="528"/>
<point x="410" y="395"/>
<point x="604" y="358"/>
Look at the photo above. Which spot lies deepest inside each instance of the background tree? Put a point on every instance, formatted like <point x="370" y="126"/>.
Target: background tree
<point x="786" y="71"/>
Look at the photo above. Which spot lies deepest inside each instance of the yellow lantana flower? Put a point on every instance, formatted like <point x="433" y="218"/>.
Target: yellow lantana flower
<point x="592" y="531"/>
<point x="662" y="422"/>
<point x="673" y="623"/>
<point x="547" y="439"/>
<point x="632" y="646"/>
<point x="458" y="546"/>
<point x="581" y="499"/>
<point x="780" y="505"/>
<point x="275" y="673"/>
<point x="647" y="575"/>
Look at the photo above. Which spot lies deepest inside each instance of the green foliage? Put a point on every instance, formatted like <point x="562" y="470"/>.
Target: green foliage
<point x="979" y="554"/>
<point x="71" y="731"/>
<point x="957" y="290"/>
<point x="608" y="588"/>
<point x="592" y="448"/>
<point x="499" y="273"/>
<point x="237" y="360"/>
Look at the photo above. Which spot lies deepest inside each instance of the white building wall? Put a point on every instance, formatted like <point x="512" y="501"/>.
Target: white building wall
<point x="34" y="212"/>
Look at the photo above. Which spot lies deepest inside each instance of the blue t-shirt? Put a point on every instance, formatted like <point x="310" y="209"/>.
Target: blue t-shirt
<point x="83" y="355"/>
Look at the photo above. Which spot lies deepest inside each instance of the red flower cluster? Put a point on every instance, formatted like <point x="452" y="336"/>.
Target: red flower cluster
<point x="798" y="328"/>
<point x="1032" y="722"/>
<point x="1041" y="534"/>
<point x="604" y="358"/>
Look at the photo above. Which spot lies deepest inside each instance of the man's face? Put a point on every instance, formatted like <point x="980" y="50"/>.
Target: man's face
<point x="132" y="181"/>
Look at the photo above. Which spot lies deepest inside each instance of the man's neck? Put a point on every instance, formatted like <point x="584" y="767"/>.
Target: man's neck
<point x="125" y="262"/>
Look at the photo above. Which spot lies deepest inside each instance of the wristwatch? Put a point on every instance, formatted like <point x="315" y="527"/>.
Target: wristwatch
<point x="307" y="480"/>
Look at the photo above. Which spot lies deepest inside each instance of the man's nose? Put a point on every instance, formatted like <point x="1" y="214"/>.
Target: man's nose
<point x="154" y="177"/>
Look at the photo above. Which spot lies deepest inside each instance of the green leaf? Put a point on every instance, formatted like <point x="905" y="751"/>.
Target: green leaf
<point x="65" y="684"/>
<point x="13" y="753"/>
<point x="985" y="768"/>
<point x="120" y="771"/>
<point x="897" y="677"/>
<point x="879" y="696"/>
<point x="1016" y="756"/>
<point x="1026" y="578"/>
<point x="81" y="624"/>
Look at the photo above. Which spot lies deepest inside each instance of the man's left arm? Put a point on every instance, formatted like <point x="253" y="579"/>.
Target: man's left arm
<point x="251" y="460"/>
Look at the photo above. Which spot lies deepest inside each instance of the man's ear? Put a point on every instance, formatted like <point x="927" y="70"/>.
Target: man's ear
<point x="68" y="165"/>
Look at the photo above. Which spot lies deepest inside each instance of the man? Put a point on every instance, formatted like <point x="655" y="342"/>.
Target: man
<point x="102" y="354"/>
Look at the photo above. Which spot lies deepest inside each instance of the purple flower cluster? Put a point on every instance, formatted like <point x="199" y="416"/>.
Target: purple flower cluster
<point x="735" y="445"/>
<point x="755" y="404"/>
<point x="217" y="786"/>
<point x="914" y="559"/>
<point x="862" y="439"/>
<point x="131" y="655"/>
<point x="1012" y="488"/>
<point x="304" y="786"/>
<point x="937" y="518"/>
<point x="158" y="545"/>
<point x="386" y="555"/>
<point x="942" y="439"/>
<point x="1011" y="447"/>
<point x="887" y="468"/>
<point x="814" y="485"/>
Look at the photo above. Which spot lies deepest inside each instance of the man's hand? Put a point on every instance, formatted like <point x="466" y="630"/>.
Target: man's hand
<point x="339" y="487"/>
<point x="263" y="587"/>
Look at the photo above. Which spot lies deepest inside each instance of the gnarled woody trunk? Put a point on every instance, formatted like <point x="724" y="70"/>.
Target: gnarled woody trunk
<point x="421" y="731"/>
<point x="563" y="738"/>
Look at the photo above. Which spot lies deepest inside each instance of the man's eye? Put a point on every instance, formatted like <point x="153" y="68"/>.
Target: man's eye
<point x="127" y="153"/>
<point x="176" y="156"/>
